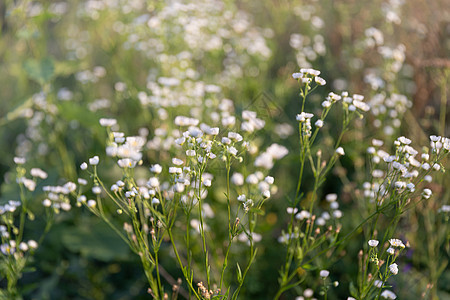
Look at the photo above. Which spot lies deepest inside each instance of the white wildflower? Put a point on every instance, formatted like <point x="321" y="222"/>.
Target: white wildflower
<point x="340" y="151"/>
<point x="36" y="172"/>
<point x="387" y="294"/>
<point x="107" y="122"/>
<point x="324" y="273"/>
<point x="291" y="210"/>
<point x="373" y="243"/>
<point x="319" y="123"/>
<point x="93" y="161"/>
<point x="237" y="179"/>
<point x="396" y="243"/>
<point x="156" y="168"/>
<point x="393" y="268"/>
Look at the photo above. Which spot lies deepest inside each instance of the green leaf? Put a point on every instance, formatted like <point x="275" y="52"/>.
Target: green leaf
<point x="257" y="211"/>
<point x="71" y="111"/>
<point x="4" y="295"/>
<point x="65" y="68"/>
<point x="97" y="241"/>
<point x="40" y="70"/>
<point x="239" y="273"/>
<point x="353" y="291"/>
<point x="299" y="253"/>
<point x="27" y="34"/>
<point x="308" y="267"/>
<point x="442" y="268"/>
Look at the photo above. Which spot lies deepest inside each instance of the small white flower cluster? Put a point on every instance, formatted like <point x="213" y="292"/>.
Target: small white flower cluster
<point x="250" y="122"/>
<point x="403" y="168"/>
<point x="384" y="74"/>
<point x="190" y="24"/>
<point x="331" y="99"/>
<point x="92" y="75"/>
<point x="9" y="207"/>
<point x="248" y="204"/>
<point x="38" y="173"/>
<point x="388" y="111"/>
<point x="351" y="104"/>
<point x="285" y="237"/>
<point x="305" y="120"/>
<point x="164" y="140"/>
<point x="265" y="185"/>
<point x="395" y="57"/>
<point x="148" y="191"/>
<point x="197" y="143"/>
<point x="195" y="223"/>
<point x="396" y="243"/>
<point x="374" y="37"/>
<point x="58" y="196"/>
<point x="29" y="184"/>
<point x="322" y="219"/>
<point x="334" y="206"/>
<point x="355" y="103"/>
<point x="126" y="149"/>
<point x="292" y="210"/>
<point x="308" y="49"/>
<point x="284" y="130"/>
<point x="307" y="75"/>
<point x="273" y="152"/>
<point x="387" y="294"/>
<point x="19" y="160"/>
<point x="105" y="122"/>
<point x="444" y="209"/>
<point x="307" y="294"/>
<point x="4" y="233"/>
<point x="185" y="121"/>
<point x="438" y="142"/>
<point x="200" y="143"/>
<point x="11" y="247"/>
<point x="392" y="268"/>
<point x="39" y="119"/>
<point x="244" y="238"/>
<point x="93" y="161"/>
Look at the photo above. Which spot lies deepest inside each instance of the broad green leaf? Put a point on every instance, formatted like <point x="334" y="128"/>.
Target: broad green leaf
<point x="40" y="70"/>
<point x="353" y="291"/>
<point x="71" y="111"/>
<point x="97" y="241"/>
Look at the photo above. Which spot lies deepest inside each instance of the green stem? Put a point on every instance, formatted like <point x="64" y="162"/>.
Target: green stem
<point x="22" y="215"/>
<point x="230" y="235"/>
<point x="202" y="232"/>
<point x="252" y="257"/>
<point x="188" y="246"/>
<point x="158" y="278"/>
<point x="186" y="276"/>
<point x="443" y="110"/>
